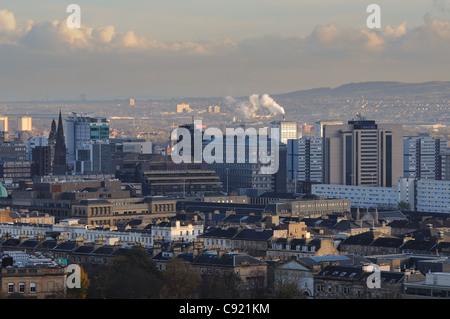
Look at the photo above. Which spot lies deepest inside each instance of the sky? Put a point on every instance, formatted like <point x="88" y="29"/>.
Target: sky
<point x="212" y="48"/>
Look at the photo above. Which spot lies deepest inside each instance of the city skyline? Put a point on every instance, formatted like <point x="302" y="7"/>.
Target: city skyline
<point x="196" y="149"/>
<point x="200" y="49"/>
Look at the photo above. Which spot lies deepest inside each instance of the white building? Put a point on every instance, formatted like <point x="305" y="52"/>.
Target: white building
<point x="360" y="196"/>
<point x="137" y="147"/>
<point x="433" y="196"/>
<point x="176" y="231"/>
<point x="407" y="191"/>
<point x="287" y="130"/>
<point x="24" y="123"/>
<point x="422" y="195"/>
<point x="3" y="124"/>
<point x="72" y="232"/>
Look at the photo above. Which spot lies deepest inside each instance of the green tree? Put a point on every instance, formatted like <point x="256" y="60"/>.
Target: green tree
<point x="180" y="280"/>
<point x="288" y="290"/>
<point x="133" y="276"/>
<point x="80" y="293"/>
<point x="404" y="206"/>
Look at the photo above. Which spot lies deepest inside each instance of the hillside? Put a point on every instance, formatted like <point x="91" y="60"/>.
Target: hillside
<point x="375" y="89"/>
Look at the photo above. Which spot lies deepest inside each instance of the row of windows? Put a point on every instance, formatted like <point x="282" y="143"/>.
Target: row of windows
<point x="22" y="287"/>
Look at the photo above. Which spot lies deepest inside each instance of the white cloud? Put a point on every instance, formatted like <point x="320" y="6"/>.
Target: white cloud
<point x="331" y="54"/>
<point x="7" y="21"/>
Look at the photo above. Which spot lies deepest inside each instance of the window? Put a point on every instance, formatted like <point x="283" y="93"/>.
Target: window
<point x="21" y="287"/>
<point x="10" y="288"/>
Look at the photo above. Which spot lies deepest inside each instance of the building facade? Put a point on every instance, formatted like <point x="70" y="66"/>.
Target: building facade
<point x="81" y="130"/>
<point x="445" y="166"/>
<point x="360" y="196"/>
<point x="362" y="153"/>
<point x="287" y="130"/>
<point x="304" y="159"/>
<point x="421" y="156"/>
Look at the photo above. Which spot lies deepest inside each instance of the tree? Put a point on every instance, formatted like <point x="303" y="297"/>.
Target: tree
<point x="80" y="293"/>
<point x="220" y="286"/>
<point x="404" y="206"/>
<point x="180" y="280"/>
<point x="132" y="276"/>
<point x="288" y="290"/>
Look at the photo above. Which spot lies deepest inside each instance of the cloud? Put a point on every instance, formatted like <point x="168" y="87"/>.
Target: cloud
<point x="104" y="59"/>
<point x="104" y="34"/>
<point x="7" y="21"/>
<point x="395" y="32"/>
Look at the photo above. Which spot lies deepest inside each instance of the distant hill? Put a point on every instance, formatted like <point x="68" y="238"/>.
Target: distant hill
<point x="374" y="89"/>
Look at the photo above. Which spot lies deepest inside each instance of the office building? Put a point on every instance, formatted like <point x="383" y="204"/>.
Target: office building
<point x="179" y="182"/>
<point x="421" y="157"/>
<point x="24" y="123"/>
<point x="246" y="167"/>
<point x="304" y="159"/>
<point x="360" y="196"/>
<point x="183" y="108"/>
<point x="406" y="188"/>
<point x="81" y="130"/>
<point x="42" y="159"/>
<point x="3" y="124"/>
<point x="133" y="146"/>
<point x="445" y="165"/>
<point x="17" y="171"/>
<point x="33" y="142"/>
<point x="287" y="130"/>
<point x="318" y="126"/>
<point x="362" y="152"/>
<point x="14" y="150"/>
<point x="95" y="158"/>
<point x="433" y="196"/>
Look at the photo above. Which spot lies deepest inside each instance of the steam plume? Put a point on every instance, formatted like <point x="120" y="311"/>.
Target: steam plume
<point x="255" y="103"/>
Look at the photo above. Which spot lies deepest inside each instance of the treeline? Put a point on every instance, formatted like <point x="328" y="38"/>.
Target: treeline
<point x="136" y="276"/>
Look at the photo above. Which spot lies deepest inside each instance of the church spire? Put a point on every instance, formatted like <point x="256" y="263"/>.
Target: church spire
<point x="52" y="135"/>
<point x="60" y="144"/>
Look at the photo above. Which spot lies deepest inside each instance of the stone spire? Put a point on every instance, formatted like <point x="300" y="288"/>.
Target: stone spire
<point x="60" y="144"/>
<point x="52" y="135"/>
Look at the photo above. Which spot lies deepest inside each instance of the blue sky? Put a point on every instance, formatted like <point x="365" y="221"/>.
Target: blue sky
<point x="216" y="48"/>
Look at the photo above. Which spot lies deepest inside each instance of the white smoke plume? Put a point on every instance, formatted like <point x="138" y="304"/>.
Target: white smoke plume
<point x="255" y="103"/>
<point x="270" y="103"/>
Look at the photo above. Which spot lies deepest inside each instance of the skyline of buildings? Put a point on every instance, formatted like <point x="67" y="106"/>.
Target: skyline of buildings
<point x="122" y="193"/>
<point x="352" y="201"/>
